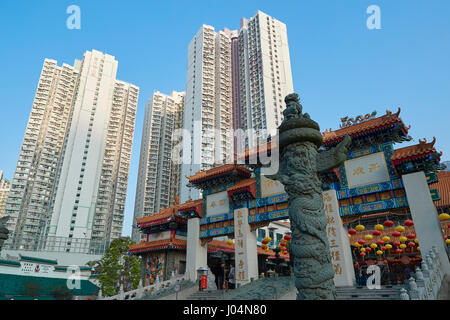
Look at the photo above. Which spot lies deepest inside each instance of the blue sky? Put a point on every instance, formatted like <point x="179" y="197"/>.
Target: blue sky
<point x="339" y="66"/>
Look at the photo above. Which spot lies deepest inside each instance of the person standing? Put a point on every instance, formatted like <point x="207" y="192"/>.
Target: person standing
<point x="221" y="275"/>
<point x="232" y="278"/>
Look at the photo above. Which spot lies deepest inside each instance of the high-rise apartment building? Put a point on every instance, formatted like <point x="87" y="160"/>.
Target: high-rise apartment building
<point x="235" y="80"/>
<point x="265" y="76"/>
<point x="32" y="184"/>
<point x="158" y="176"/>
<point x="5" y="185"/>
<point x="75" y="183"/>
<point x="207" y="116"/>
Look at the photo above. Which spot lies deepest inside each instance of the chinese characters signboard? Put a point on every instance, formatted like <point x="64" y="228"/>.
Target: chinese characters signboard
<point x="344" y="274"/>
<point x="246" y="261"/>
<point x="217" y="203"/>
<point x="366" y="170"/>
<point x="270" y="187"/>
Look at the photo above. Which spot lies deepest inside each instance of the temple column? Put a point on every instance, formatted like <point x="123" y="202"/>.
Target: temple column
<point x="340" y="251"/>
<point x="196" y="254"/>
<point x="425" y="217"/>
<point x="143" y="266"/>
<point x="245" y="254"/>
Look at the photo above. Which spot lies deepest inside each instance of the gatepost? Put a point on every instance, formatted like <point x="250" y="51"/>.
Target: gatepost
<point x="341" y="256"/>
<point x="425" y="217"/>
<point x="245" y="254"/>
<point x="196" y="253"/>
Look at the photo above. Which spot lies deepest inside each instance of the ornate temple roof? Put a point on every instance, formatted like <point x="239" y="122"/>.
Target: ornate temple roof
<point x="354" y="128"/>
<point x="144" y="246"/>
<point x="213" y="246"/>
<point x="443" y="185"/>
<point x="163" y="216"/>
<point x="415" y="151"/>
<point x="192" y="206"/>
<point x="244" y="185"/>
<point x="388" y="120"/>
<point x="220" y="171"/>
<point x="253" y="152"/>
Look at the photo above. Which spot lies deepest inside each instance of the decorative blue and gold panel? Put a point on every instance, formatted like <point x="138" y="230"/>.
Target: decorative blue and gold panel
<point x="274" y="215"/>
<point x="374" y="206"/>
<point x="435" y="194"/>
<point x="217" y="232"/>
<point x="217" y="218"/>
<point x="268" y="201"/>
<point x="372" y="188"/>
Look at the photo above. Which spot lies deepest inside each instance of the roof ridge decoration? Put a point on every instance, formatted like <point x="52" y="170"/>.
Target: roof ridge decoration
<point x="424" y="141"/>
<point x="346" y="121"/>
<point x="371" y="124"/>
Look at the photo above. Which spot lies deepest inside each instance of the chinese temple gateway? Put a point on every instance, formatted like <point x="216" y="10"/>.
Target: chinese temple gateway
<point x="381" y="206"/>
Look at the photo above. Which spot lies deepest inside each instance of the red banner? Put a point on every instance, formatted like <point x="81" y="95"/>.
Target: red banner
<point x="204" y="282"/>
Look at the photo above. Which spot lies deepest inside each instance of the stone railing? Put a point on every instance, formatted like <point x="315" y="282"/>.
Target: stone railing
<point x="427" y="281"/>
<point x="141" y="291"/>
<point x="262" y="288"/>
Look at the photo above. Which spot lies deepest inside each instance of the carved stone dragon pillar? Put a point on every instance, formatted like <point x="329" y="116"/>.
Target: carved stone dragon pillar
<point x="300" y="163"/>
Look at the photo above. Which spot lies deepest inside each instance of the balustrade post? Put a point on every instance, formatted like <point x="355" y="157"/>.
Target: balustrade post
<point x="425" y="271"/>
<point x="121" y="295"/>
<point x="403" y="294"/>
<point x="419" y="277"/>
<point x="430" y="264"/>
<point x="413" y="292"/>
<point x="140" y="290"/>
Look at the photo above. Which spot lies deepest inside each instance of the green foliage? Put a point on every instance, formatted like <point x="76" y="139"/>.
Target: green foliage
<point x="117" y="267"/>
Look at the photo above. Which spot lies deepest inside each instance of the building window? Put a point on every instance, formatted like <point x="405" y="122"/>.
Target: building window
<point x="261" y="233"/>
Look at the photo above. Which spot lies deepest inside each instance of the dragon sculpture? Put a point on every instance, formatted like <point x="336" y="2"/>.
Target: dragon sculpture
<point x="300" y="163"/>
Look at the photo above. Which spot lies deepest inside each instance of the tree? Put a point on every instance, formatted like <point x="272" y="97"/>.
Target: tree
<point x="117" y="267"/>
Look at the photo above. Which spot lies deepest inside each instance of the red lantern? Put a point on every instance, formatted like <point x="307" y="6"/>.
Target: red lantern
<point x="388" y="223"/>
<point x="283" y="244"/>
<point x="411" y="236"/>
<point x="361" y="242"/>
<point x="362" y="254"/>
<point x="396" y="243"/>
<point x="408" y="223"/>
<point x="411" y="244"/>
<point x="352" y="231"/>
<point x="396" y="234"/>
<point x="383" y="248"/>
<point x="376" y="233"/>
<point x="398" y="251"/>
<point x="287" y="237"/>
<point x="369" y="249"/>
<point x="264" y="242"/>
<point x="380" y="242"/>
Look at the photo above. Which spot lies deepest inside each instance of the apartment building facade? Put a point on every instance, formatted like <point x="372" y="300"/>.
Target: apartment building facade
<point x="85" y="187"/>
<point x="32" y="184"/>
<point x="158" y="175"/>
<point x="5" y="185"/>
<point x="207" y="116"/>
<point x="265" y="75"/>
<point x="235" y="80"/>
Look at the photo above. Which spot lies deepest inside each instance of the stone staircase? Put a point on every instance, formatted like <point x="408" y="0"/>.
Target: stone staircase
<point x="207" y="295"/>
<point x="363" y="293"/>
